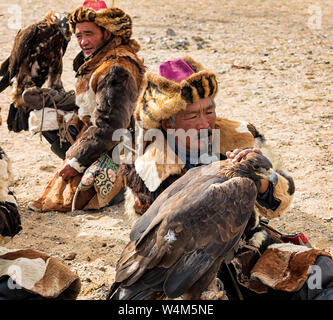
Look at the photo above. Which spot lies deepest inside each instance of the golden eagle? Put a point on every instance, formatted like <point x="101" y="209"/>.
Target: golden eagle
<point x="178" y="245"/>
<point x="36" y="56"/>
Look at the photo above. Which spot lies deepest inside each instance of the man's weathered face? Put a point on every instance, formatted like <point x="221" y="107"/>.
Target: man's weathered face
<point x="90" y="37"/>
<point x="200" y="115"/>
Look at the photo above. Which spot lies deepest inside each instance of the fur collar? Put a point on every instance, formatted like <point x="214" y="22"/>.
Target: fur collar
<point x="151" y="165"/>
<point x="110" y="50"/>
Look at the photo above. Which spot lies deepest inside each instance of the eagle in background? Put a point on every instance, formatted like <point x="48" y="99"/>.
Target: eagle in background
<point x="176" y="248"/>
<point x="36" y="57"/>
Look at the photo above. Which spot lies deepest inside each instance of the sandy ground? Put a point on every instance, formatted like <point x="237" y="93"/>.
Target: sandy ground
<point x="287" y="94"/>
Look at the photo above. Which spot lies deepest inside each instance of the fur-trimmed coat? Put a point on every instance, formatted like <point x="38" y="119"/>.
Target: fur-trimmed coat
<point x="107" y="88"/>
<point x="148" y="177"/>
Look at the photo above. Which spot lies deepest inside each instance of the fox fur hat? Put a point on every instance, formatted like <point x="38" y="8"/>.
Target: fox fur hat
<point x="112" y="19"/>
<point x="181" y="82"/>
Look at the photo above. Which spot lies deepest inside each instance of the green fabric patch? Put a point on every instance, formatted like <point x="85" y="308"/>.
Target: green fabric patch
<point x="101" y="174"/>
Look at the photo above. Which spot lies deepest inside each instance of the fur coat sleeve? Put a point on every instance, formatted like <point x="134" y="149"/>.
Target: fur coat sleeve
<point x="115" y="97"/>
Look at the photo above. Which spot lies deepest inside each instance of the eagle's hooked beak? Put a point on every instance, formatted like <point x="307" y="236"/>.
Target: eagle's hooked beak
<point x="270" y="175"/>
<point x="64" y="28"/>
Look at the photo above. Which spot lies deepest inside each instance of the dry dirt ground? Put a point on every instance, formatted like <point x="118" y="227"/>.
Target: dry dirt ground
<point x="286" y="93"/>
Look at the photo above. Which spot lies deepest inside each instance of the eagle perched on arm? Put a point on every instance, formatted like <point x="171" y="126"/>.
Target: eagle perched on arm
<point x="178" y="245"/>
<point x="36" y="57"/>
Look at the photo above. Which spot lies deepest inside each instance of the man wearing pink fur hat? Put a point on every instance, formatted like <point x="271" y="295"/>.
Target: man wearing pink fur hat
<point x="179" y="102"/>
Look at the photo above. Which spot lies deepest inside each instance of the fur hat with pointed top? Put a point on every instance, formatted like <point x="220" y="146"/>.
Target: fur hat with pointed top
<point x="112" y="19"/>
<point x="164" y="96"/>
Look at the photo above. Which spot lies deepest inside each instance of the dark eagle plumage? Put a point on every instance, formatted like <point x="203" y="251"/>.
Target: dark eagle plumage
<point x="178" y="245"/>
<point x="36" y="57"/>
<point x="10" y="220"/>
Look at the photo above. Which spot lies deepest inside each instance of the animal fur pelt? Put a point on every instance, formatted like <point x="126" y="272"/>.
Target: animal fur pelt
<point x="36" y="56"/>
<point x="286" y="266"/>
<point x="41" y="275"/>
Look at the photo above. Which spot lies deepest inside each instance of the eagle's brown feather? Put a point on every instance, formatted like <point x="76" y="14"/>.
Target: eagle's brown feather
<point x="36" y="57"/>
<point x="192" y="227"/>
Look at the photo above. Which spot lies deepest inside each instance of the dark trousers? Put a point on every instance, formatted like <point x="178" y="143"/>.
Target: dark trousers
<point x="8" y="293"/>
<point x="53" y="138"/>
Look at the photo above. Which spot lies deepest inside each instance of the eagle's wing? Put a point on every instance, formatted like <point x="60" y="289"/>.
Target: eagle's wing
<point x="190" y="233"/>
<point x="4" y="73"/>
<point x="215" y="233"/>
<point x="162" y="206"/>
<point x="189" y="181"/>
<point x="22" y="42"/>
<point x="4" y="67"/>
<point x="64" y="47"/>
<point x="20" y="51"/>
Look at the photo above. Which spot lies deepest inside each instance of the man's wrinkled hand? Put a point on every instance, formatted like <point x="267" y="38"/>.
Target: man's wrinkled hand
<point x="237" y="154"/>
<point x="68" y="172"/>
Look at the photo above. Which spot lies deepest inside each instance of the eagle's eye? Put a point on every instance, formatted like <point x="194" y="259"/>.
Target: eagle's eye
<point x="256" y="167"/>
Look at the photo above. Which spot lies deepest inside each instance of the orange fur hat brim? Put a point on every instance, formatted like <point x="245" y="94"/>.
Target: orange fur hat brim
<point x="112" y="19"/>
<point x="162" y="98"/>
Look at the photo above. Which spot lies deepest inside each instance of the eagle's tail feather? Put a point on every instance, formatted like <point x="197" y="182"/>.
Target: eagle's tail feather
<point x="4" y="67"/>
<point x="4" y="72"/>
<point x="4" y="82"/>
<point x="186" y="272"/>
<point x="136" y="291"/>
<point x="113" y="289"/>
<point x="149" y="286"/>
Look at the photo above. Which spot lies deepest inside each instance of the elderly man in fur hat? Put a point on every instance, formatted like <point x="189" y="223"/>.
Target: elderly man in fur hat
<point x="180" y="103"/>
<point x="182" y="98"/>
<point x="109" y="75"/>
<point x="109" y="78"/>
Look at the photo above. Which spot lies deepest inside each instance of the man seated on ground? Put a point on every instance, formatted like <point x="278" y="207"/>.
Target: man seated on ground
<point x="180" y="103"/>
<point x="109" y="76"/>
